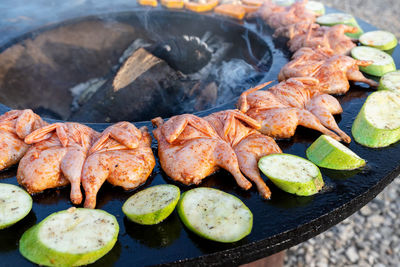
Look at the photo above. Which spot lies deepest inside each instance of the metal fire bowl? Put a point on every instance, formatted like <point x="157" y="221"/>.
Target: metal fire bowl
<point x="279" y="223"/>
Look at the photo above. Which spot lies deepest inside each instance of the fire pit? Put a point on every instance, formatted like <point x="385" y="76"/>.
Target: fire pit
<point x="183" y="62"/>
<point x="279" y="223"/>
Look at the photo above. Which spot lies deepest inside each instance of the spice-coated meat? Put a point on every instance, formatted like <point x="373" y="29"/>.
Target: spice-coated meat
<point x="332" y="71"/>
<point x="290" y="103"/>
<point x="56" y="158"/>
<point x="314" y="36"/>
<point x="240" y="131"/>
<point x="122" y="156"/>
<point x="277" y="16"/>
<point x="15" y="125"/>
<point x="190" y="149"/>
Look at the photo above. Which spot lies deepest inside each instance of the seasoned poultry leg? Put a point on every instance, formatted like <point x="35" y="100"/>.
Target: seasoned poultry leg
<point x="190" y="150"/>
<point x="239" y="130"/>
<point x="122" y="156"/>
<point x="14" y="126"/>
<point x="249" y="151"/>
<point x="56" y="158"/>
<point x="332" y="71"/>
<point x="276" y="16"/>
<point x="324" y="107"/>
<point x="293" y="95"/>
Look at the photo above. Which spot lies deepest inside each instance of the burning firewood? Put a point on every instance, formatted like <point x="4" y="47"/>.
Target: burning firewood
<point x="143" y="78"/>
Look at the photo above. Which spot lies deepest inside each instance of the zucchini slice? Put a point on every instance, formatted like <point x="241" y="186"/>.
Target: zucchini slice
<point x="292" y="174"/>
<point x="215" y="215"/>
<point x="317" y="7"/>
<point x="71" y="237"/>
<point x="328" y="153"/>
<point x="382" y="40"/>
<point x="382" y="62"/>
<point x="15" y="204"/>
<point x="341" y="18"/>
<point x="283" y="2"/>
<point x="152" y="205"/>
<point x="378" y="122"/>
<point x="390" y="81"/>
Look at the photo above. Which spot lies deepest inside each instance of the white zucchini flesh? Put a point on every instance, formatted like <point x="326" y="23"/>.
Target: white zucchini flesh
<point x="215" y="215"/>
<point x="152" y="205"/>
<point x="316" y="7"/>
<point x="378" y="122"/>
<point x="283" y="2"/>
<point x="71" y="237"/>
<point x="341" y="18"/>
<point x="383" y="111"/>
<point x="390" y="81"/>
<point x="335" y="18"/>
<point x="15" y="204"/>
<point x="382" y="40"/>
<point x="382" y="62"/>
<point x="292" y="174"/>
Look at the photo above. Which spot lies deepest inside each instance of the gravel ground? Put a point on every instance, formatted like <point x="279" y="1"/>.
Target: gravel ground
<point x="370" y="237"/>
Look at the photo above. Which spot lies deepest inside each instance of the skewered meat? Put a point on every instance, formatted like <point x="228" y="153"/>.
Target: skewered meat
<point x="15" y="125"/>
<point x="333" y="71"/>
<point x="239" y="131"/>
<point x="189" y="150"/>
<point x="122" y="156"/>
<point x="56" y="158"/>
<point x="314" y="36"/>
<point x="296" y="101"/>
<point x="277" y="16"/>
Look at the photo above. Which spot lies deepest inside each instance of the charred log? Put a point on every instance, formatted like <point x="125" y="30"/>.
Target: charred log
<point x="145" y="80"/>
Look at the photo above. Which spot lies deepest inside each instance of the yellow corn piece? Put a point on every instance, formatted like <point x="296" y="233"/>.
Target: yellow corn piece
<point x="231" y="10"/>
<point x="153" y="3"/>
<point x="197" y="7"/>
<point x="175" y="4"/>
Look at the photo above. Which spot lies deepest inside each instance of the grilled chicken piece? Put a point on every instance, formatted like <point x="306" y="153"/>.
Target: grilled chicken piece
<point x="56" y="158"/>
<point x="190" y="149"/>
<point x="333" y="71"/>
<point x="240" y="131"/>
<point x="15" y="125"/>
<point x="122" y="156"/>
<point x="314" y="36"/>
<point x="296" y="101"/>
<point x="277" y="16"/>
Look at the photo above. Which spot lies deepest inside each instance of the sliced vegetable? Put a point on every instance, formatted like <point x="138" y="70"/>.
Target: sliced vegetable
<point x="152" y="205"/>
<point x="231" y="10"/>
<point x="283" y="2"/>
<point x="71" y="237"/>
<point x="378" y="122"/>
<point x="328" y="153"/>
<point x="215" y="215"/>
<point x="253" y="2"/>
<point x="382" y="40"/>
<point x="317" y="7"/>
<point x="292" y="174"/>
<point x="15" y="204"/>
<point x="390" y="81"/>
<point x="152" y="3"/>
<point x="382" y="62"/>
<point x="341" y="18"/>
<point x="200" y="6"/>
<point x="173" y="4"/>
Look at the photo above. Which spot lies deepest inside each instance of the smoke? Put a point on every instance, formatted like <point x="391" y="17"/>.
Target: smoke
<point x="233" y="77"/>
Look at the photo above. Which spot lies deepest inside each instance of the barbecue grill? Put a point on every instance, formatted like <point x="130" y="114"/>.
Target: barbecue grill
<point x="279" y="223"/>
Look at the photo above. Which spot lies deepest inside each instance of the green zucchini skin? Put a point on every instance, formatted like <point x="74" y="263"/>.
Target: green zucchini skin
<point x="32" y="248"/>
